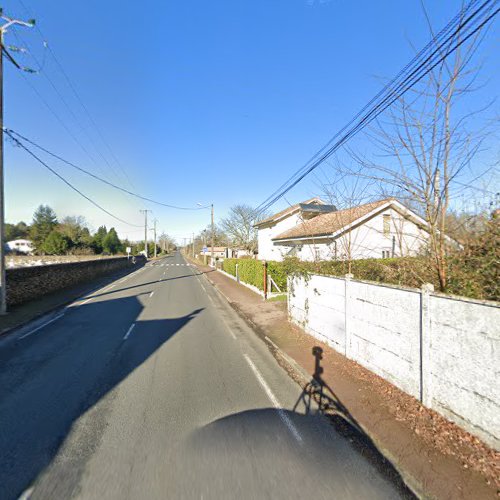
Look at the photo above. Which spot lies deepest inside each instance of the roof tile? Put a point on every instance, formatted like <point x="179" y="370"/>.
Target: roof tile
<point x="330" y="222"/>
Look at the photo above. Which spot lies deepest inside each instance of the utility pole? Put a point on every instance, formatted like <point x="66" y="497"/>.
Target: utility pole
<point x="3" y="29"/>
<point x="145" y="231"/>
<point x="154" y="235"/>
<point x="213" y="235"/>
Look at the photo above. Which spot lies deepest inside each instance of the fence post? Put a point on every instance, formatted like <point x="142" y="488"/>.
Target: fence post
<point x="288" y="294"/>
<point x="264" y="263"/>
<point x="347" y="295"/>
<point x="425" y="345"/>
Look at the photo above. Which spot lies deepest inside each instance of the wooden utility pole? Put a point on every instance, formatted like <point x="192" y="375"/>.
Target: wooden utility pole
<point x="193" y="245"/>
<point x="145" y="231"/>
<point x="3" y="29"/>
<point x="154" y="234"/>
<point x="213" y="235"/>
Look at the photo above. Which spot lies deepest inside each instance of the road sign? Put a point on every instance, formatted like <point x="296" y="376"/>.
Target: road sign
<point x="205" y="250"/>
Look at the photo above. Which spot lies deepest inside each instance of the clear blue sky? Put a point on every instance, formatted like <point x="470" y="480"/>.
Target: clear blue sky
<point x="200" y="101"/>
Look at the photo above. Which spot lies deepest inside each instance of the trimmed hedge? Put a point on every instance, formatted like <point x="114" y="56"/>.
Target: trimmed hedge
<point x="464" y="278"/>
<point x="250" y="271"/>
<point x="407" y="271"/>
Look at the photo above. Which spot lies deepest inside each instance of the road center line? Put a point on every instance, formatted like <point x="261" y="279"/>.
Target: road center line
<point x="41" y="326"/>
<point x="284" y="417"/>
<point x="129" y="331"/>
<point x="151" y="294"/>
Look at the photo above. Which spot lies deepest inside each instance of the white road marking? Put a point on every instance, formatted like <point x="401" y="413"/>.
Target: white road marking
<point x="26" y="494"/>
<point x="42" y="326"/>
<point x="151" y="294"/>
<point x="230" y="331"/>
<point x="129" y="331"/>
<point x="85" y="301"/>
<point x="284" y="417"/>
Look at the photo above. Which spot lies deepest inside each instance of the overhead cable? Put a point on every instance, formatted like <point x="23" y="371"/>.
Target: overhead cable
<point x="57" y="174"/>
<point x="446" y="42"/>
<point x="20" y="138"/>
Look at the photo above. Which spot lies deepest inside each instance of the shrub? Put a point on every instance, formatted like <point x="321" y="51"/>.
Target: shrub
<point x="55" y="244"/>
<point x="250" y="271"/>
<point x="472" y="273"/>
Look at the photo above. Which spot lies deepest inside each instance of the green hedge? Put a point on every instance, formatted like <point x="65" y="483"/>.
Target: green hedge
<point x="250" y="271"/>
<point x="470" y="277"/>
<point x="411" y="272"/>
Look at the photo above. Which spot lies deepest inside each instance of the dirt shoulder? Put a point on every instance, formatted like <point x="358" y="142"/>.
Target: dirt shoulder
<point x="436" y="458"/>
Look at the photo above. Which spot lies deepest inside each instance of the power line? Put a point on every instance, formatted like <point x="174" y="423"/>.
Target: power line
<point x="19" y="144"/>
<point x="70" y="111"/>
<point x="79" y="99"/>
<point x="395" y="89"/>
<point x="20" y="138"/>
<point x="374" y="112"/>
<point x="387" y="87"/>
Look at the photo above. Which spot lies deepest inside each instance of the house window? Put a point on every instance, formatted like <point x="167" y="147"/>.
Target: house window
<point x="386" y="254"/>
<point x="317" y="253"/>
<point x="387" y="224"/>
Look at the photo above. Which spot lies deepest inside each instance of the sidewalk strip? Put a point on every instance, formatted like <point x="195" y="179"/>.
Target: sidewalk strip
<point x="129" y="331"/>
<point x="41" y="326"/>
<point x="284" y="417"/>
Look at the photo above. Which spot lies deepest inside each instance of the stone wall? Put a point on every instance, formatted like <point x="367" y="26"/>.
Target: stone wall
<point x="28" y="283"/>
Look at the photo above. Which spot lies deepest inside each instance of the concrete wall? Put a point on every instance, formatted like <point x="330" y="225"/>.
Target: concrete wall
<point x="442" y="350"/>
<point x="28" y="283"/>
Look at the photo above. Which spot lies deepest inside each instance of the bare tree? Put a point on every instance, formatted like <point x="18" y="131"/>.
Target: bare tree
<point x="424" y="144"/>
<point x="238" y="226"/>
<point x="166" y="243"/>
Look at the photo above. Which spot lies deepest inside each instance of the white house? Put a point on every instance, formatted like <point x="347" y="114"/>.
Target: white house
<point x="381" y="229"/>
<point x="219" y="252"/>
<point x="271" y="227"/>
<point x="20" y="246"/>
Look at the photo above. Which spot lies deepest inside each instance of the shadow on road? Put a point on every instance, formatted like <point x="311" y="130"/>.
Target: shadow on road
<point x="318" y="397"/>
<point x="323" y="465"/>
<point x="49" y="380"/>
<point x="115" y="290"/>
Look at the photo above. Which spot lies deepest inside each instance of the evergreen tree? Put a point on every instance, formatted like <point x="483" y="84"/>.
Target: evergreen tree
<point x="44" y="222"/>
<point x="98" y="240"/>
<point x="16" y="231"/>
<point x="55" y="244"/>
<point x="111" y="243"/>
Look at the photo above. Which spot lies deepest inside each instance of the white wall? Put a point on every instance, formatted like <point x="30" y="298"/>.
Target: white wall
<point x="267" y="249"/>
<point x="442" y="350"/>
<point x="464" y="363"/>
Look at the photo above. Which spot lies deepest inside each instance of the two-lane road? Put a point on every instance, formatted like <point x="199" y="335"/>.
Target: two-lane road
<point x="153" y="387"/>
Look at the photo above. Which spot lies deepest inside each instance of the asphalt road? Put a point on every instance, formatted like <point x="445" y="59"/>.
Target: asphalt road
<point x="153" y="387"/>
